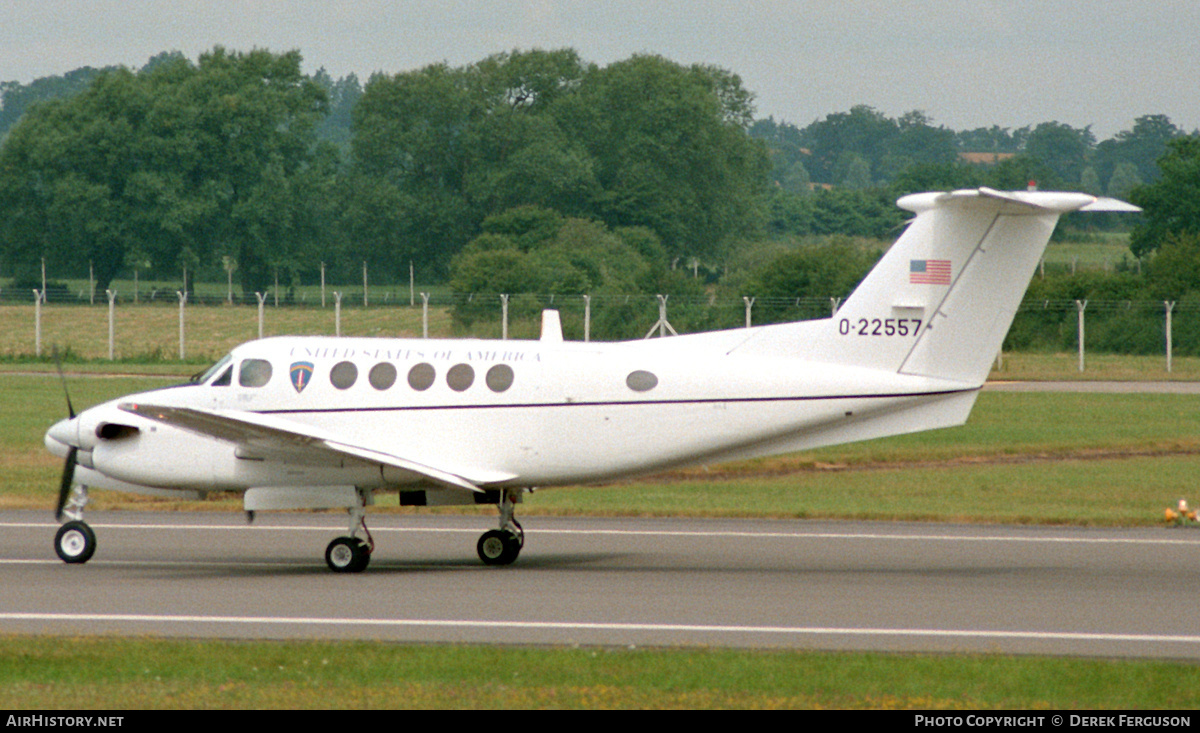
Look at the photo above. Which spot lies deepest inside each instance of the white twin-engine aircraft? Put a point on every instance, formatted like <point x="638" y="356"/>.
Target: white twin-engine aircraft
<point x="318" y="422"/>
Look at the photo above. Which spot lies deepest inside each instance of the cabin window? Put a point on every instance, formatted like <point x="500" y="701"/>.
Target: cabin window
<point x="382" y="376"/>
<point x="421" y="377"/>
<point x="343" y="375"/>
<point x="641" y="381"/>
<point x="499" y="377"/>
<point x="254" y="373"/>
<point x="460" y="377"/>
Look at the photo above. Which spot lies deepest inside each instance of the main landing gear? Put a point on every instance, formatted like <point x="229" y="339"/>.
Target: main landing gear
<point x="351" y="554"/>
<point x="75" y="541"/>
<point x="501" y="546"/>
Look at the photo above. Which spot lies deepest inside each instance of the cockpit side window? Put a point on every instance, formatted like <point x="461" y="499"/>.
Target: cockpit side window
<point x="254" y="373"/>
<point x="224" y="380"/>
<point x="207" y="374"/>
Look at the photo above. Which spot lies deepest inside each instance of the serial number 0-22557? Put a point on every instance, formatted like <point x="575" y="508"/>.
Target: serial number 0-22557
<point x="879" y="327"/>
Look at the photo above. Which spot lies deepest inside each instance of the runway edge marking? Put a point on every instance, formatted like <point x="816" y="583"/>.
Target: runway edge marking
<point x="598" y="626"/>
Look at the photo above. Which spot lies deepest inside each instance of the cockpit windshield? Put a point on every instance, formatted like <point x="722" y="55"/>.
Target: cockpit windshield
<point x="209" y="373"/>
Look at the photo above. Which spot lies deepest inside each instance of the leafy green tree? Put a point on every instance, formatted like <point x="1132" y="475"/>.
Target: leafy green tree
<point x="916" y="142"/>
<point x="936" y="177"/>
<point x="202" y="158"/>
<point x="644" y="142"/>
<point x="532" y="250"/>
<point x="863" y="131"/>
<point x="831" y="269"/>
<point x="670" y="151"/>
<point x="1124" y="179"/>
<point x="16" y="98"/>
<point x="994" y="139"/>
<point x="1061" y="148"/>
<point x="1140" y="147"/>
<point x="1171" y="205"/>
<point x="857" y="172"/>
<point x="1018" y="172"/>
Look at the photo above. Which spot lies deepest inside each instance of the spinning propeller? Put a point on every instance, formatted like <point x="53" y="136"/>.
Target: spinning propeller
<point x="68" y="475"/>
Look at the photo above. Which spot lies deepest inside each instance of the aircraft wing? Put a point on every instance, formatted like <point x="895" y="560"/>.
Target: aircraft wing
<point x="274" y="433"/>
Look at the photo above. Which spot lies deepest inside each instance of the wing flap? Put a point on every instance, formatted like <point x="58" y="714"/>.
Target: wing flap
<point x="275" y="433"/>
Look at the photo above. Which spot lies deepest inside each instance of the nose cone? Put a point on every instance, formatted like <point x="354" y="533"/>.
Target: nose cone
<point x="62" y="435"/>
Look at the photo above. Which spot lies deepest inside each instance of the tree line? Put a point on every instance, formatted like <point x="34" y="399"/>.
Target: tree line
<point x="528" y="171"/>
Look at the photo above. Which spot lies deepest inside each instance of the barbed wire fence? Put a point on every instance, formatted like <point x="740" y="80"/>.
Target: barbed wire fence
<point x="1104" y="326"/>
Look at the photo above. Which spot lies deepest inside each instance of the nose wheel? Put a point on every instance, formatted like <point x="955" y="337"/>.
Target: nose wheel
<point x="75" y="542"/>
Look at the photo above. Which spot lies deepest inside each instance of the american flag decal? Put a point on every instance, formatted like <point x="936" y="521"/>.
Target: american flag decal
<point x="929" y="272"/>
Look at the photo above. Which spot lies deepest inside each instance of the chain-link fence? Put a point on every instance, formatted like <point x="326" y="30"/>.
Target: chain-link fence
<point x="1097" y="326"/>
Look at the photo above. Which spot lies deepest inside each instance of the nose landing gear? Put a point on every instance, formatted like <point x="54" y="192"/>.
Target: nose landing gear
<point x="75" y="541"/>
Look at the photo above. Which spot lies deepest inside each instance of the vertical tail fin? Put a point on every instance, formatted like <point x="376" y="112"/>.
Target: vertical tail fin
<point x="941" y="300"/>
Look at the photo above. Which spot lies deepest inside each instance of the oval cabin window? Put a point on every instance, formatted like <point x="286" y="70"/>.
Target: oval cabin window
<point x="499" y="377"/>
<point x="382" y="376"/>
<point x="641" y="381"/>
<point x="343" y="375"/>
<point x="460" y="377"/>
<point x="421" y="377"/>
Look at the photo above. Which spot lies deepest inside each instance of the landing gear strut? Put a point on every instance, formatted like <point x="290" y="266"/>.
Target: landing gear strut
<point x="501" y="546"/>
<point x="351" y="554"/>
<point x="75" y="541"/>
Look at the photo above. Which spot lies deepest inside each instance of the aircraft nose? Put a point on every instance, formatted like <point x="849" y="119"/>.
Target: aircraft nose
<point x="64" y="432"/>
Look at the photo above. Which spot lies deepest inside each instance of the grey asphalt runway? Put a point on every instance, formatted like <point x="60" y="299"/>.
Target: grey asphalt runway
<point x="735" y="583"/>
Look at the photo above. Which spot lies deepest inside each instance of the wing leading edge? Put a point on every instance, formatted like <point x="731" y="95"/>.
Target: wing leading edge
<point x="269" y="432"/>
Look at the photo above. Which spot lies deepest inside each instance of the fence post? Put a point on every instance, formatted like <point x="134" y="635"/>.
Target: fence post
<point x="112" y="299"/>
<point x="834" y="304"/>
<point x="322" y="284"/>
<point x="424" y="315"/>
<point x="587" y="317"/>
<point x="663" y="324"/>
<point x="749" y="304"/>
<point x="262" y="300"/>
<point x="364" y="284"/>
<point x="37" y="321"/>
<point x="337" y="313"/>
<point x="182" y="302"/>
<point x="1080" y="305"/>
<point x="503" y="316"/>
<point x="1170" y="306"/>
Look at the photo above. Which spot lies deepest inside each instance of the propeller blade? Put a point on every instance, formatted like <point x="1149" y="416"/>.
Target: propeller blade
<point x="68" y="477"/>
<point x="63" y="378"/>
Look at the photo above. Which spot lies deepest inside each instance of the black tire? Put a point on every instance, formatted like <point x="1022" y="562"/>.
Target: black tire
<point x="347" y="555"/>
<point x="498" y="547"/>
<point x="75" y="543"/>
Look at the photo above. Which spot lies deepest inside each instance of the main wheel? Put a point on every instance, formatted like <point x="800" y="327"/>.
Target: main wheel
<point x="347" y="555"/>
<point x="499" y="547"/>
<point x="75" y="542"/>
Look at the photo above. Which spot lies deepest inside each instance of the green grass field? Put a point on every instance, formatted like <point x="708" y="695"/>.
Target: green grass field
<point x="148" y="674"/>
